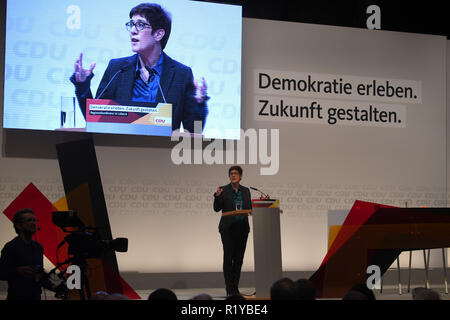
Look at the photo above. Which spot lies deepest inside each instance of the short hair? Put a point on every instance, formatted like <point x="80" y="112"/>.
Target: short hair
<point x="238" y="168"/>
<point x="116" y="296"/>
<point x="18" y="217"/>
<point x="202" y="296"/>
<point x="283" y="289"/>
<point x="99" y="295"/>
<point x="427" y="294"/>
<point x="157" y="17"/>
<point x="162" y="294"/>
<point x="306" y="289"/>
<point x="354" y="295"/>
<point x="364" y="290"/>
<point x="415" y="292"/>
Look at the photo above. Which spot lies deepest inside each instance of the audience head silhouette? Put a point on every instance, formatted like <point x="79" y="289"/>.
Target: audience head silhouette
<point x="99" y="295"/>
<point x="425" y="294"/>
<point x="162" y="294"/>
<point x="283" y="289"/>
<point x="305" y="289"/>
<point x="202" y="296"/>
<point x="359" y="292"/>
<point x="354" y="295"/>
<point x="116" y="296"/>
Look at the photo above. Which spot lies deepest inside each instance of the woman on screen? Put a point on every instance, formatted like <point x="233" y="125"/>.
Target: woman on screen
<point x="150" y="75"/>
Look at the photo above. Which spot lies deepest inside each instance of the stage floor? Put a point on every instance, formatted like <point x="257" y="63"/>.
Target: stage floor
<point x="389" y="293"/>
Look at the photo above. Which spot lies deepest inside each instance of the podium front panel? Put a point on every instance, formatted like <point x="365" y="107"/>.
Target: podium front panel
<point x="267" y="249"/>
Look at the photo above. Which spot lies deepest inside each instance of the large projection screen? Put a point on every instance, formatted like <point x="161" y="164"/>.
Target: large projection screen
<point x="44" y="40"/>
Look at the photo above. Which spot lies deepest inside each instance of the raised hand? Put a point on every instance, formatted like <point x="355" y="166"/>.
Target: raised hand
<point x="80" y="73"/>
<point x="200" y="91"/>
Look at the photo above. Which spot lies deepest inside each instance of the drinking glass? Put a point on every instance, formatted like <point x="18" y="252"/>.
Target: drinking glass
<point x="68" y="112"/>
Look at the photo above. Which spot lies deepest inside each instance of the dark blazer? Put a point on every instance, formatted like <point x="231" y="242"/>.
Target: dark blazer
<point x="176" y="83"/>
<point x="17" y="253"/>
<point x="225" y="202"/>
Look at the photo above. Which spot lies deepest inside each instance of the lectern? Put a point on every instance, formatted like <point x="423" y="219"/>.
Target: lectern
<point x="266" y="243"/>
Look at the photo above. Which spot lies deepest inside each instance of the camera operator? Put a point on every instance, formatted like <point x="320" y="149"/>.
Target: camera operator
<point x="21" y="261"/>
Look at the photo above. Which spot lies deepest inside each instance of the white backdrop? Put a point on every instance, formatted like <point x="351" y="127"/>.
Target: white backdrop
<point x="166" y="210"/>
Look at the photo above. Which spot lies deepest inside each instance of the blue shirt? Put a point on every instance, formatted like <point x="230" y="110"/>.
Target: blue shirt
<point x="147" y="92"/>
<point x="237" y="197"/>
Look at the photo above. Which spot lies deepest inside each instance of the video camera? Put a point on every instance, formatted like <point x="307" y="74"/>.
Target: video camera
<point x="85" y="242"/>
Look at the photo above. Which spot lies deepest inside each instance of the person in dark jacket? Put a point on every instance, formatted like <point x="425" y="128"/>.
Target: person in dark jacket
<point x="22" y="261"/>
<point x="233" y="229"/>
<point x="150" y="75"/>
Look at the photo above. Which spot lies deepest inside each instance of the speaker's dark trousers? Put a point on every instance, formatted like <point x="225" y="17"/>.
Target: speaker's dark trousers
<point x="234" y="240"/>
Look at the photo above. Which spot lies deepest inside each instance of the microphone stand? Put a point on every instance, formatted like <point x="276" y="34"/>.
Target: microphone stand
<point x="265" y="195"/>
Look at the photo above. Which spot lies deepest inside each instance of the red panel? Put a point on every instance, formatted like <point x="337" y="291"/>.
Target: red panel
<point x="49" y="235"/>
<point x="260" y="203"/>
<point x="117" y="286"/>
<point x="377" y="234"/>
<point x="358" y="215"/>
<point x="129" y="118"/>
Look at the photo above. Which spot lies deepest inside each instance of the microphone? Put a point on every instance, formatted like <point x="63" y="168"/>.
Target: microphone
<point x="253" y="188"/>
<point x="154" y="72"/>
<point x="113" y="77"/>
